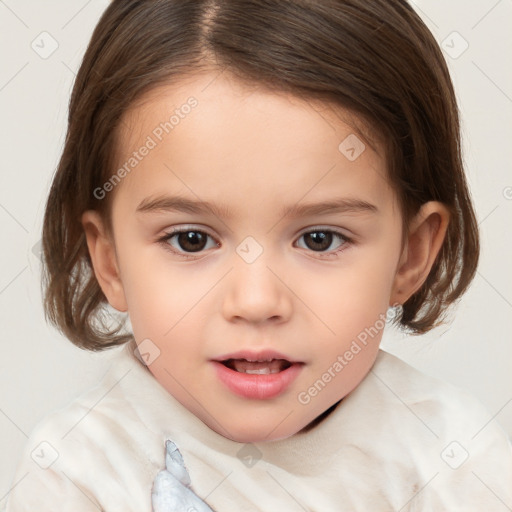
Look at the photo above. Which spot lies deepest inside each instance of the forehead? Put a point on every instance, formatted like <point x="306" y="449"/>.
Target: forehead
<point x="218" y="92"/>
<point x="210" y="130"/>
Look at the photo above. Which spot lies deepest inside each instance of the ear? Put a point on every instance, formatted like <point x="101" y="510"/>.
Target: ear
<point x="104" y="260"/>
<point x="424" y="240"/>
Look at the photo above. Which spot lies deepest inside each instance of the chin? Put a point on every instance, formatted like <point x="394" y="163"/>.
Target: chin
<point x="257" y="429"/>
<point x="258" y="434"/>
<point x="260" y="430"/>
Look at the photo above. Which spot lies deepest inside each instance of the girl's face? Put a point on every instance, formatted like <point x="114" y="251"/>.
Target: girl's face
<point x="290" y="244"/>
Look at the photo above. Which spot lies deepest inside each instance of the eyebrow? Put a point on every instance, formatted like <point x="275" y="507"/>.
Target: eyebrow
<point x="181" y="204"/>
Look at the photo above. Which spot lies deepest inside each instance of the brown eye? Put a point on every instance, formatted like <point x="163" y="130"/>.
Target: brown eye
<point x="318" y="240"/>
<point x="321" y="240"/>
<point x="187" y="241"/>
<point x="192" y="241"/>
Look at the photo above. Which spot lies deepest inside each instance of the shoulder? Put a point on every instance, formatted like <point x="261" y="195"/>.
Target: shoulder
<point x="446" y="408"/>
<point x="444" y="433"/>
<point x="102" y="412"/>
<point x="93" y="449"/>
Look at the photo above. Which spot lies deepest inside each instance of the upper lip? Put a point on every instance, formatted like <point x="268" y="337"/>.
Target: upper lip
<point x="260" y="355"/>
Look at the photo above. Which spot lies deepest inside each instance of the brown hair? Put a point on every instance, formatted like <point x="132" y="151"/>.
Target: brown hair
<point x="375" y="58"/>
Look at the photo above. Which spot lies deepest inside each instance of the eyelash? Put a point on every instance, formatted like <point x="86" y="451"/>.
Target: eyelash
<point x="164" y="241"/>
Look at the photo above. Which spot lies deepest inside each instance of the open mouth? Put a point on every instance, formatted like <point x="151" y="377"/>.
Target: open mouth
<point x="257" y="376"/>
<point x="257" y="367"/>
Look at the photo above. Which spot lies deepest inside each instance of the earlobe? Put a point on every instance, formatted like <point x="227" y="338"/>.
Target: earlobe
<point x="423" y="243"/>
<point x="104" y="261"/>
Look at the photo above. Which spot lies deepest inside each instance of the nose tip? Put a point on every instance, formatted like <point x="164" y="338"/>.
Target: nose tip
<point x="254" y="293"/>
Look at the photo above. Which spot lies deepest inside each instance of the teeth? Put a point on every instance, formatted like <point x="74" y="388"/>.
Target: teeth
<point x="258" y="367"/>
<point x="261" y="371"/>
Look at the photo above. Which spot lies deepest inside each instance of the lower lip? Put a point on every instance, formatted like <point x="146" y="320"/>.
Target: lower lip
<point x="256" y="386"/>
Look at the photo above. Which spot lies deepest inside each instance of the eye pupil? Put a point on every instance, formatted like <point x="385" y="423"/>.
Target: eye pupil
<point x="192" y="241"/>
<point x="321" y="240"/>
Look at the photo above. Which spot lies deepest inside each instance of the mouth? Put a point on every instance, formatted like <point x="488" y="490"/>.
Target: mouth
<point x="258" y="367"/>
<point x="262" y="375"/>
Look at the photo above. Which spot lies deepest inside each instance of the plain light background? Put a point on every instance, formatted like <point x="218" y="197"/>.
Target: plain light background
<point x="41" y="371"/>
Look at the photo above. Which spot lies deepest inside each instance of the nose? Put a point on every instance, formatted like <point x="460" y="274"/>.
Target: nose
<point x="254" y="293"/>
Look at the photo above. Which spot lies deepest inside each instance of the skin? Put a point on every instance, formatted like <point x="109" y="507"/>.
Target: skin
<point x="255" y="152"/>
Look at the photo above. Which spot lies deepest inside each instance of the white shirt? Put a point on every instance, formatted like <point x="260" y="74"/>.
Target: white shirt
<point x="401" y="441"/>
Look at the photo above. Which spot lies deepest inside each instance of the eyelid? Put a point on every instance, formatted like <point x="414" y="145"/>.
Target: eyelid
<point x="338" y="231"/>
<point x="309" y="229"/>
<point x="188" y="227"/>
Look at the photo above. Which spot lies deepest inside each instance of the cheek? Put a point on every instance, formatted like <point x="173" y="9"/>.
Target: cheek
<point x="150" y="286"/>
<point x="351" y="303"/>
<point x="351" y="295"/>
<point x="166" y="301"/>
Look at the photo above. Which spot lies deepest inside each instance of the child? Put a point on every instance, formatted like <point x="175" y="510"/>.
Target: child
<point x="214" y="148"/>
